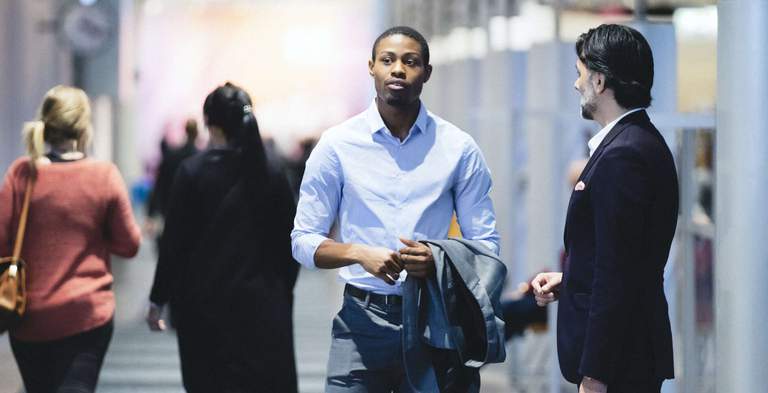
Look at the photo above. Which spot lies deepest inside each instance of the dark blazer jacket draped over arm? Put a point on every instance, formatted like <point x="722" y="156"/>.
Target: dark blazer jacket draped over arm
<point x="458" y="309"/>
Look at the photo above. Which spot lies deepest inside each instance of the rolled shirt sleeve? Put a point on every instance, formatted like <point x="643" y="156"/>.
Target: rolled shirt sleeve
<point x="318" y="205"/>
<point x="474" y="208"/>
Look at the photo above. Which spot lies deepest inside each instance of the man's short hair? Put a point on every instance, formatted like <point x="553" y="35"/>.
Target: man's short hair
<point x="623" y="55"/>
<point x="408" y="32"/>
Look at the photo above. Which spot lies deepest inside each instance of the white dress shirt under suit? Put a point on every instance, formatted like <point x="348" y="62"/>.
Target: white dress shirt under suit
<point x="596" y="140"/>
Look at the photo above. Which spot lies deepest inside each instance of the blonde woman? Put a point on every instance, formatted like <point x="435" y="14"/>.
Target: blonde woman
<point x="79" y="215"/>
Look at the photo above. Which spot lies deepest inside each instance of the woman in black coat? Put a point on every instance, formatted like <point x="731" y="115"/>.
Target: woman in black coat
<point x="225" y="262"/>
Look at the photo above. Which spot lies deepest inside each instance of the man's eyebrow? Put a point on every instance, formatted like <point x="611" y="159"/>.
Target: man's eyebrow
<point x="387" y="52"/>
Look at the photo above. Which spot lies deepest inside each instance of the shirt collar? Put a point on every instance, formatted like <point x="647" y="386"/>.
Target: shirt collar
<point x="376" y="123"/>
<point x="596" y="140"/>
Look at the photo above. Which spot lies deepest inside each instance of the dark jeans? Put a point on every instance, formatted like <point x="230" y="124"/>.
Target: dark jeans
<point x="67" y="365"/>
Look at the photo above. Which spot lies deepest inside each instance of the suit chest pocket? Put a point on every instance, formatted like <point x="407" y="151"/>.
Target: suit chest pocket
<point x="579" y="203"/>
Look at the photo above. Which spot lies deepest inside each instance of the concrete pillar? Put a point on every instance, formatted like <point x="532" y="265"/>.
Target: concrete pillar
<point x="126" y="134"/>
<point x="32" y="61"/>
<point x="741" y="205"/>
<point x="553" y="127"/>
<point x="498" y="112"/>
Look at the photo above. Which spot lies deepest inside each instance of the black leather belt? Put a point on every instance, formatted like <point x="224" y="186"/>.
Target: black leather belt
<point x="371" y="297"/>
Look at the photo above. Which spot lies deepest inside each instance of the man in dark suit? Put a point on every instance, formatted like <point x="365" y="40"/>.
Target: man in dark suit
<point x="613" y="330"/>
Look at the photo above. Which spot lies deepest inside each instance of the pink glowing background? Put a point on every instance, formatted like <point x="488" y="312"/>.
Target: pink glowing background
<point x="303" y="62"/>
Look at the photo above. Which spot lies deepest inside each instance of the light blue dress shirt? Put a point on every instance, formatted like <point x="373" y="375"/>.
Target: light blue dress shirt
<point x="378" y="189"/>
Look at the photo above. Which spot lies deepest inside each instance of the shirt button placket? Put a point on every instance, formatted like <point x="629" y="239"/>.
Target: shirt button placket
<point x="401" y="186"/>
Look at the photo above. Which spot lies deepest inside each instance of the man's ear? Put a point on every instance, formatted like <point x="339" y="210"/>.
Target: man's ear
<point x="427" y="72"/>
<point x="598" y="82"/>
<point x="370" y="67"/>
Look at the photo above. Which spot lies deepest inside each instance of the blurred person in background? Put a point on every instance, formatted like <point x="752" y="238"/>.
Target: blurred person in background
<point x="297" y="162"/>
<point x="79" y="213"/>
<point x="613" y="330"/>
<point x="169" y="164"/>
<point x="225" y="263"/>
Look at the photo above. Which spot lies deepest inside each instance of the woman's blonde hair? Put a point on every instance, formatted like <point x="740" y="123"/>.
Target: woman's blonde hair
<point x="65" y="114"/>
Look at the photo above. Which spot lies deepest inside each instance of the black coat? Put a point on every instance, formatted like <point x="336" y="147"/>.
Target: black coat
<point x="225" y="258"/>
<point x="613" y="322"/>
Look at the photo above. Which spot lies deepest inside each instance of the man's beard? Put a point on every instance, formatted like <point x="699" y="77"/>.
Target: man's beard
<point x="588" y="110"/>
<point x="403" y="99"/>
<point x="396" y="101"/>
<point x="588" y="106"/>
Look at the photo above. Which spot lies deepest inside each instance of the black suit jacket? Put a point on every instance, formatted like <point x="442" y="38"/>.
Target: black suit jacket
<point x="613" y="323"/>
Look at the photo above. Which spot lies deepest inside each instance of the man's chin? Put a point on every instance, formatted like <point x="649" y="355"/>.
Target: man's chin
<point x="586" y="114"/>
<point x="397" y="101"/>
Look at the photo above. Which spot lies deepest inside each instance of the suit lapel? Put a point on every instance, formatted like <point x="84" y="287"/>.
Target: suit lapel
<point x="633" y="118"/>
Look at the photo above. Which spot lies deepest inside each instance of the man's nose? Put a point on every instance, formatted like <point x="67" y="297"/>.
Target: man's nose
<point x="398" y="70"/>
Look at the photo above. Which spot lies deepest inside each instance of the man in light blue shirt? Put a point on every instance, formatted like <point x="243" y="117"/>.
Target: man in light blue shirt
<point x="388" y="177"/>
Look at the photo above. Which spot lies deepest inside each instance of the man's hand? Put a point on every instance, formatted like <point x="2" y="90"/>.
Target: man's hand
<point x="591" y="385"/>
<point x="417" y="258"/>
<point x="155" y="318"/>
<point x="381" y="262"/>
<point x="546" y="287"/>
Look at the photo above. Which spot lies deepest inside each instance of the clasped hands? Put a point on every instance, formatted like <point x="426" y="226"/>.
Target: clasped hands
<point x="415" y="258"/>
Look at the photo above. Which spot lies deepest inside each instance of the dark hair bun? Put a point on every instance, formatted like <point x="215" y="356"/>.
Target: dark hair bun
<point x="229" y="107"/>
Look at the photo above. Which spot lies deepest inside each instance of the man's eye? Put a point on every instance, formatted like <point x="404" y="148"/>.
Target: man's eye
<point x="386" y="60"/>
<point x="410" y="62"/>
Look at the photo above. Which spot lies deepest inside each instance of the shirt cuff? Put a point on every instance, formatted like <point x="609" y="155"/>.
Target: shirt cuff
<point x="304" y="248"/>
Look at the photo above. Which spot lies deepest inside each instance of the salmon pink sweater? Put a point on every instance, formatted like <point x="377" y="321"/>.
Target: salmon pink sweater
<point x="79" y="214"/>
